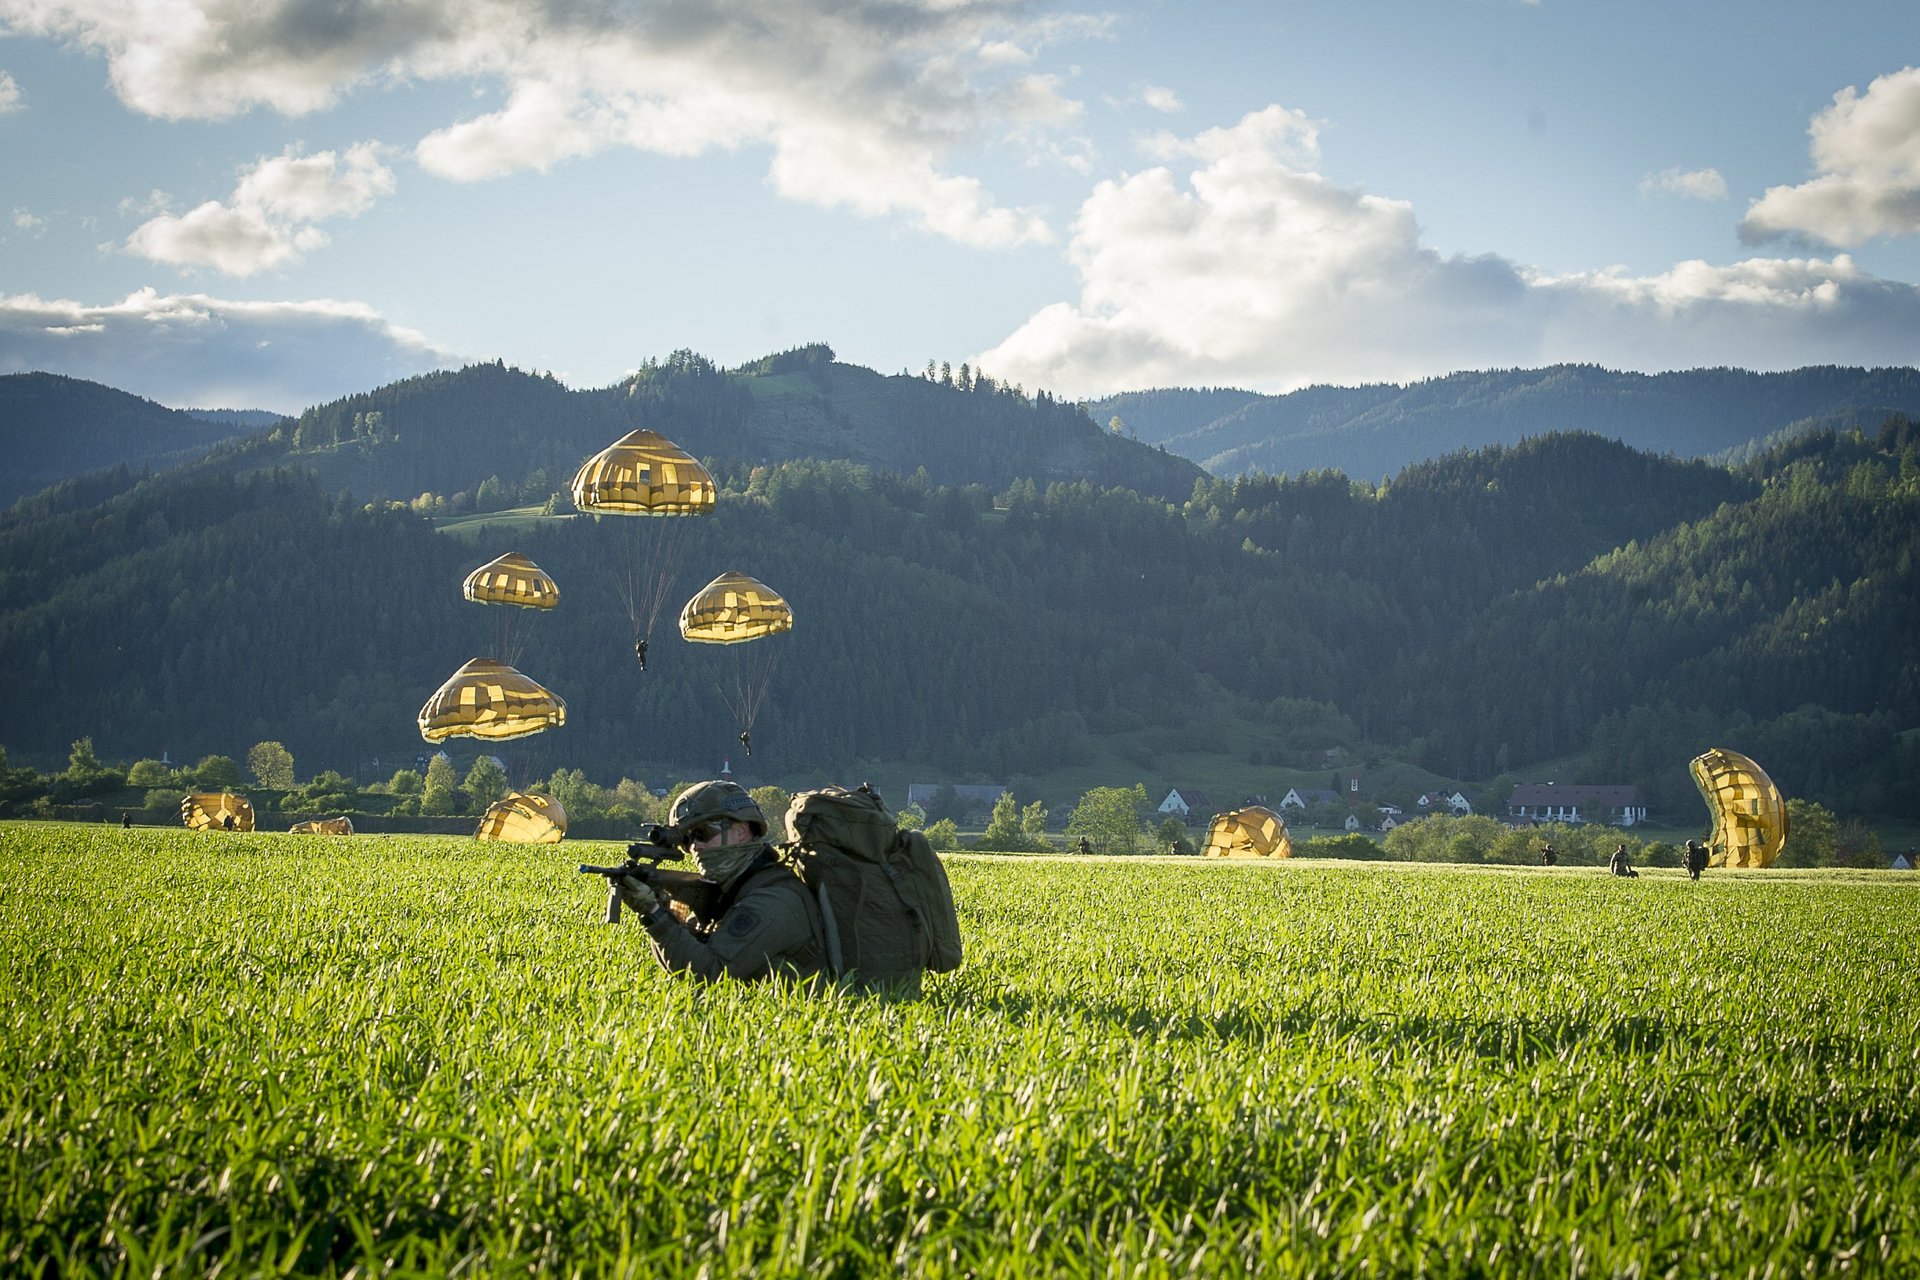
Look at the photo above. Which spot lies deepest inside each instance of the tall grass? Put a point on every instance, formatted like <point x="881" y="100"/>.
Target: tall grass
<point x="417" y="1056"/>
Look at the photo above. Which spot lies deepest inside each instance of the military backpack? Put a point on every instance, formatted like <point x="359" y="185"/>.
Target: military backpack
<point x="882" y="892"/>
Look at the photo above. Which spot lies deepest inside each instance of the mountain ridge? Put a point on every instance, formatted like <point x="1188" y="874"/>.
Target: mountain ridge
<point x="1374" y="431"/>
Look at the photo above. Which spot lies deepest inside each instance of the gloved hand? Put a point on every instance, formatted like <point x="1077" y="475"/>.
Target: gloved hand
<point x="636" y="894"/>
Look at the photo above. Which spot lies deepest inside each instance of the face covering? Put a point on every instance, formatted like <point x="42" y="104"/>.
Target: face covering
<point x="722" y="862"/>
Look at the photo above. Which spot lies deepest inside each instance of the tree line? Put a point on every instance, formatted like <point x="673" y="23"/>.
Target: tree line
<point x="1563" y="599"/>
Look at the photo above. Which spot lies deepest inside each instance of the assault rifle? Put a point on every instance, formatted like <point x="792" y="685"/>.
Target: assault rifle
<point x="688" y="896"/>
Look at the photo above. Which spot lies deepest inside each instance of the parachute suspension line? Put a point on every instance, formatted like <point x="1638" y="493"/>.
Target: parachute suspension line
<point x="666" y="547"/>
<point x="752" y="676"/>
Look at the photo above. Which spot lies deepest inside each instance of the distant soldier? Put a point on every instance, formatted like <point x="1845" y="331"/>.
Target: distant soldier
<point x="126" y="820"/>
<point x="1548" y="855"/>
<point x="1696" y="859"/>
<point x="1618" y="865"/>
<point x="1086" y="845"/>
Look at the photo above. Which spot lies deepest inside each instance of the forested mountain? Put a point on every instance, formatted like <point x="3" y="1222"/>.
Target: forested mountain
<point x="1374" y="431"/>
<point x="54" y="427"/>
<point x="489" y="436"/>
<point x="1566" y="598"/>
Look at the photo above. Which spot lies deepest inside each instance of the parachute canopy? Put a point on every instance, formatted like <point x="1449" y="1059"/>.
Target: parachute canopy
<point x="489" y="699"/>
<point x="341" y="826"/>
<point x="1253" y="832"/>
<point x="733" y="608"/>
<point x="511" y="579"/>
<point x="643" y="474"/>
<point x="523" y="818"/>
<point x="217" y="811"/>
<point x="1749" y="816"/>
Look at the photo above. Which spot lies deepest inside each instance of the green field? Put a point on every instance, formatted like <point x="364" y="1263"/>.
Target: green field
<point x="400" y="1056"/>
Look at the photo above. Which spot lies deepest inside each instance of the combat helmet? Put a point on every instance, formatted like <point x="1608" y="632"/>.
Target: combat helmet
<point x="717" y="801"/>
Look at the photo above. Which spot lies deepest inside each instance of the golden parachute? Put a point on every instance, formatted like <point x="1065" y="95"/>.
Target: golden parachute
<point x="341" y="826"/>
<point x="1749" y="816"/>
<point x="523" y="818"/>
<point x="733" y="609"/>
<point x="511" y="579"/>
<point x="1252" y="832"/>
<point x="644" y="474"/>
<point x="217" y="811"/>
<point x="488" y="699"/>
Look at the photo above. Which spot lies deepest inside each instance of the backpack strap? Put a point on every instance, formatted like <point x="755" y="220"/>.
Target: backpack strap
<point x="836" y="960"/>
<point x="899" y="883"/>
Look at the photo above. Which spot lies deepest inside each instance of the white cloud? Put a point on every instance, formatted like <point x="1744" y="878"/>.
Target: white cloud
<point x="857" y="102"/>
<point x="1162" y="99"/>
<point x="264" y="224"/>
<point x="1866" y="151"/>
<point x="1259" y="274"/>
<point x="27" y="220"/>
<point x="195" y="350"/>
<point x="11" y="99"/>
<point x="1693" y="184"/>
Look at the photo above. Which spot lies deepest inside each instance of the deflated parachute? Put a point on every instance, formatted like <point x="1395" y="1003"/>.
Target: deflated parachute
<point x="489" y="699"/>
<point x="217" y="811"/>
<point x="1253" y="832"/>
<point x="523" y="818"/>
<point x="511" y="579"/>
<point x="1749" y="816"/>
<point x="341" y="826"/>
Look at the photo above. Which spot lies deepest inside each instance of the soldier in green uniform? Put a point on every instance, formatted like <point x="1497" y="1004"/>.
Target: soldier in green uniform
<point x="766" y="923"/>
<point x="1696" y="859"/>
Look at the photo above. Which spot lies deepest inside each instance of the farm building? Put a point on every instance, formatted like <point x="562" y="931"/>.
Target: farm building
<point x="1618" y="806"/>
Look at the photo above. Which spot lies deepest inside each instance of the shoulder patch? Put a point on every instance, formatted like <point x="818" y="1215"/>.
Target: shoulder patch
<point x="742" y="921"/>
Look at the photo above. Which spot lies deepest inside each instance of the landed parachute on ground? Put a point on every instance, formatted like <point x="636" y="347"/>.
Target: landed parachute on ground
<point x="341" y="826"/>
<point x="734" y="609"/>
<point x="523" y="818"/>
<point x="511" y="579"/>
<point x="1252" y="832"/>
<point x="216" y="811"/>
<point x="1749" y="816"/>
<point x="644" y="474"/>
<point x="488" y="699"/>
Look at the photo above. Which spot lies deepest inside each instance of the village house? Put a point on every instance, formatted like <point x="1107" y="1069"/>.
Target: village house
<point x="1301" y="797"/>
<point x="1434" y="801"/>
<point x="1617" y="806"/>
<point x="1188" y="804"/>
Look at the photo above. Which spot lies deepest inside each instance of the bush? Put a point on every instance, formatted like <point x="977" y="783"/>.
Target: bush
<point x="1352" y="846"/>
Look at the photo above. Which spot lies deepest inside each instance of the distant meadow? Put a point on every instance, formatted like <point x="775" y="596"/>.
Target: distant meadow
<point x="410" y="1056"/>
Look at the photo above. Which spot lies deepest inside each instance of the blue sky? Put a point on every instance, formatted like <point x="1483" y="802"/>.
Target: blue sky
<point x="256" y="203"/>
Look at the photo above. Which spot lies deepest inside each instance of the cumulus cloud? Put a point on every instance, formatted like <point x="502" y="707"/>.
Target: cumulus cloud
<point x="194" y="350"/>
<point x="857" y="101"/>
<point x="28" y="220"/>
<point x="1258" y="273"/>
<point x="267" y="222"/>
<point x="1866" y="153"/>
<point x="1694" y="184"/>
<point x="11" y="99"/>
